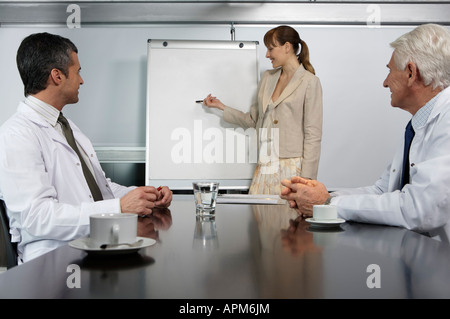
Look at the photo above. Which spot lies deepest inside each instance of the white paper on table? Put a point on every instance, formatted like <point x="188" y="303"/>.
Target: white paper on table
<point x="250" y="199"/>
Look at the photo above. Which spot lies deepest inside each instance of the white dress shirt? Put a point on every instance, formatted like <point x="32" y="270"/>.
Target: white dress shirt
<point x="42" y="183"/>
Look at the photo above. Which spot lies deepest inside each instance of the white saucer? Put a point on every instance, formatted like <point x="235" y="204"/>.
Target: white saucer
<point x="325" y="223"/>
<point x="84" y="244"/>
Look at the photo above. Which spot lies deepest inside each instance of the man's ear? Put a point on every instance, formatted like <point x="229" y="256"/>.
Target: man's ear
<point x="56" y="76"/>
<point x="413" y="73"/>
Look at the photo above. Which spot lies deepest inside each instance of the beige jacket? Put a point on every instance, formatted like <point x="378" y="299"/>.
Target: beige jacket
<point x="298" y="115"/>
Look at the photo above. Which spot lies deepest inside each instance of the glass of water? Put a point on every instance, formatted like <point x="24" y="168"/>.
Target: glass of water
<point x="205" y="194"/>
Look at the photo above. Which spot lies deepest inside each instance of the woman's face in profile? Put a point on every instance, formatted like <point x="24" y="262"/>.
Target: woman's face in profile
<point x="277" y="54"/>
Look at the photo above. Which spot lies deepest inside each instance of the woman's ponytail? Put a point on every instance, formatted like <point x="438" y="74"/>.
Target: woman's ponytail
<point x="303" y="57"/>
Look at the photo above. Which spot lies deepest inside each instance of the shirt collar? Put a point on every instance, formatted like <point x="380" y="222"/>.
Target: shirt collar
<point x="45" y="110"/>
<point x="421" y="117"/>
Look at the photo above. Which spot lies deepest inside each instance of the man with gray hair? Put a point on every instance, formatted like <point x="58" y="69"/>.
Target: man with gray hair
<point x="414" y="190"/>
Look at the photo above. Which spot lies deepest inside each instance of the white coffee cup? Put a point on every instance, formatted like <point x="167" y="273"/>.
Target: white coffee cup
<point x="324" y="212"/>
<point x="113" y="228"/>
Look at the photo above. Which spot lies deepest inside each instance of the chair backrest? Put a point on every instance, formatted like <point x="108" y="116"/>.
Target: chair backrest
<point x="11" y="248"/>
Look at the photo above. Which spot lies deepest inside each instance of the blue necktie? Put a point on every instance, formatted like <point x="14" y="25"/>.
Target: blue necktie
<point x="409" y="135"/>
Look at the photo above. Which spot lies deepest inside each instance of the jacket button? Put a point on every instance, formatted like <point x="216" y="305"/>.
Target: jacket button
<point x="275" y="122"/>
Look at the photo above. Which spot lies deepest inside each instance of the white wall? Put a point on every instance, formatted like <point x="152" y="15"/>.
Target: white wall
<point x="361" y="129"/>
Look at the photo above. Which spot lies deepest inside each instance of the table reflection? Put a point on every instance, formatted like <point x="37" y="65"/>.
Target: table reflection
<point x="423" y="263"/>
<point x="290" y="261"/>
<point x="149" y="225"/>
<point x="205" y="235"/>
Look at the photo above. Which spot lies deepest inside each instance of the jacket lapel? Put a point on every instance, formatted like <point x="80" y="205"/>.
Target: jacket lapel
<point x="268" y="92"/>
<point x="292" y="85"/>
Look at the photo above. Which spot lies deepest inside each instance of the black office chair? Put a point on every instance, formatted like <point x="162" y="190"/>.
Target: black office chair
<point x="11" y="248"/>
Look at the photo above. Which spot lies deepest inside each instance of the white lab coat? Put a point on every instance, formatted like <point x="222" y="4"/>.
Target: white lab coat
<point x="42" y="182"/>
<point x="424" y="204"/>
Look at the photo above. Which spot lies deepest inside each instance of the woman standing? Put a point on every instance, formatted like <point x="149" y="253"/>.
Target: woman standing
<point x="287" y="114"/>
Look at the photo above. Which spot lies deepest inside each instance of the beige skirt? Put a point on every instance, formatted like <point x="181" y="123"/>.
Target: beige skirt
<point x="267" y="177"/>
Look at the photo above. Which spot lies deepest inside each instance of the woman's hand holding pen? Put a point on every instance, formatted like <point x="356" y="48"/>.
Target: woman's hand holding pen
<point x="213" y="102"/>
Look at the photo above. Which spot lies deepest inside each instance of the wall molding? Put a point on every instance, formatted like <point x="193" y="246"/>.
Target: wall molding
<point x="220" y="12"/>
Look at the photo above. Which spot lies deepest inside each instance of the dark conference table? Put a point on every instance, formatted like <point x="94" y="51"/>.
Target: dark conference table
<point x="247" y="252"/>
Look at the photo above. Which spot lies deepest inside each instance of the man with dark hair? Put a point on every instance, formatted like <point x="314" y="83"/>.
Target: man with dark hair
<point x="38" y="54"/>
<point x="50" y="177"/>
